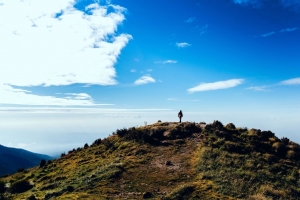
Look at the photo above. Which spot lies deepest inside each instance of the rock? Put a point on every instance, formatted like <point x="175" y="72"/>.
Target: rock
<point x="147" y="195"/>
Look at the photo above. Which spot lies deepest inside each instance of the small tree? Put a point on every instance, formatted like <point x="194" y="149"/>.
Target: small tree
<point x="43" y="163"/>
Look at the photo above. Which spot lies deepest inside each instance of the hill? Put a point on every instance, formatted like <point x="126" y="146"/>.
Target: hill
<point x="168" y="161"/>
<point x="13" y="159"/>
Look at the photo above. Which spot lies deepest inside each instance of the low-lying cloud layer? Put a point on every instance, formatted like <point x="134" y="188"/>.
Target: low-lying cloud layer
<point x="52" y="43"/>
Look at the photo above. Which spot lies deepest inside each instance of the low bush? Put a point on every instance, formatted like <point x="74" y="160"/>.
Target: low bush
<point x="230" y="126"/>
<point x="43" y="163"/>
<point x="20" y="186"/>
<point x="2" y="187"/>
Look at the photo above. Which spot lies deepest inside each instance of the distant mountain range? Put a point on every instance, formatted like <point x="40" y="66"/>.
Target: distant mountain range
<point x="12" y="159"/>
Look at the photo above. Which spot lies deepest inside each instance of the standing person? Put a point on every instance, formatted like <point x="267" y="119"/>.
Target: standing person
<point x="180" y="115"/>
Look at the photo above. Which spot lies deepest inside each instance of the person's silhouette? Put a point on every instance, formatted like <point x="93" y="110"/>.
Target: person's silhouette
<point x="180" y="115"/>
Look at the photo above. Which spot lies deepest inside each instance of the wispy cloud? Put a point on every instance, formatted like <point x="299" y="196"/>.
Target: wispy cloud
<point x="259" y="88"/>
<point x="133" y="70"/>
<point x="281" y="31"/>
<point x="216" y="85"/>
<point x="268" y="34"/>
<point x="289" y="29"/>
<point x="259" y="3"/>
<point x="182" y="44"/>
<point x="144" y="80"/>
<point x="202" y="29"/>
<point x="78" y="96"/>
<point x="190" y="20"/>
<point x="53" y="43"/>
<point x="254" y="3"/>
<point x="166" y="62"/>
<point x="149" y="70"/>
<point x="176" y="99"/>
<point x="294" y="81"/>
<point x="10" y="95"/>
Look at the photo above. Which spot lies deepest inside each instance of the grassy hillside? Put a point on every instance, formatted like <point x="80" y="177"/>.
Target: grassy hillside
<point x="168" y="161"/>
<point x="12" y="159"/>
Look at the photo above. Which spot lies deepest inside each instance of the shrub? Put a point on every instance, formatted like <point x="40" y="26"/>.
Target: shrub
<point x="2" y="187"/>
<point x="285" y="140"/>
<point x="32" y="197"/>
<point x="86" y="145"/>
<point x="96" y="142"/>
<point x="279" y="147"/>
<point x="182" y="192"/>
<point x="217" y="124"/>
<point x="21" y="169"/>
<point x="43" y="163"/>
<point x="291" y="154"/>
<point x="62" y="154"/>
<point x="267" y="134"/>
<point x="70" y="188"/>
<point x="122" y="132"/>
<point x="230" y="126"/>
<point x="20" y="186"/>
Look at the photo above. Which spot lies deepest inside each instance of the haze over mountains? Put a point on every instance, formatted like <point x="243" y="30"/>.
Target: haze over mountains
<point x="168" y="160"/>
<point x="12" y="159"/>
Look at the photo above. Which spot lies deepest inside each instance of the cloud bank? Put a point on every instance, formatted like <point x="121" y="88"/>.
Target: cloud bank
<point x="52" y="43"/>
<point x="216" y="85"/>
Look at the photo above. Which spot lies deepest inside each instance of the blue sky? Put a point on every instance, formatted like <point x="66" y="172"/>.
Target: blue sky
<point x="74" y="71"/>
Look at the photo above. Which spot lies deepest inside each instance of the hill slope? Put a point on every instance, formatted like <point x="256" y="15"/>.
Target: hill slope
<point x="169" y="161"/>
<point x="12" y="159"/>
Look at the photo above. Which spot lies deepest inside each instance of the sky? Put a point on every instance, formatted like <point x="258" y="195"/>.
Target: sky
<point x="73" y="71"/>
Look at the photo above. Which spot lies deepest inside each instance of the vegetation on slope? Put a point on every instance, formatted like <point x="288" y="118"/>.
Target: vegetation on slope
<point x="168" y="161"/>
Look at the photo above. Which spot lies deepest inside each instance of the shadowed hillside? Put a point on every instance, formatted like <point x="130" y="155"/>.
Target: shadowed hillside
<point x="168" y="161"/>
<point x="12" y="159"/>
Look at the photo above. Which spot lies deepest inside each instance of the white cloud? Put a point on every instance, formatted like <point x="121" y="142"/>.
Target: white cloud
<point x="258" y="88"/>
<point x="182" y="44"/>
<point x="144" y="80"/>
<point x="203" y="29"/>
<point x="216" y="85"/>
<point x="39" y="49"/>
<point x="289" y="29"/>
<point x="149" y="70"/>
<point x="259" y="3"/>
<point x="294" y="81"/>
<point x="268" y="34"/>
<point x="10" y="95"/>
<point x="78" y="96"/>
<point x="166" y="62"/>
<point x="133" y="70"/>
<point x="190" y="20"/>
<point x="255" y="3"/>
<point x="291" y="3"/>
<point x="176" y="99"/>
